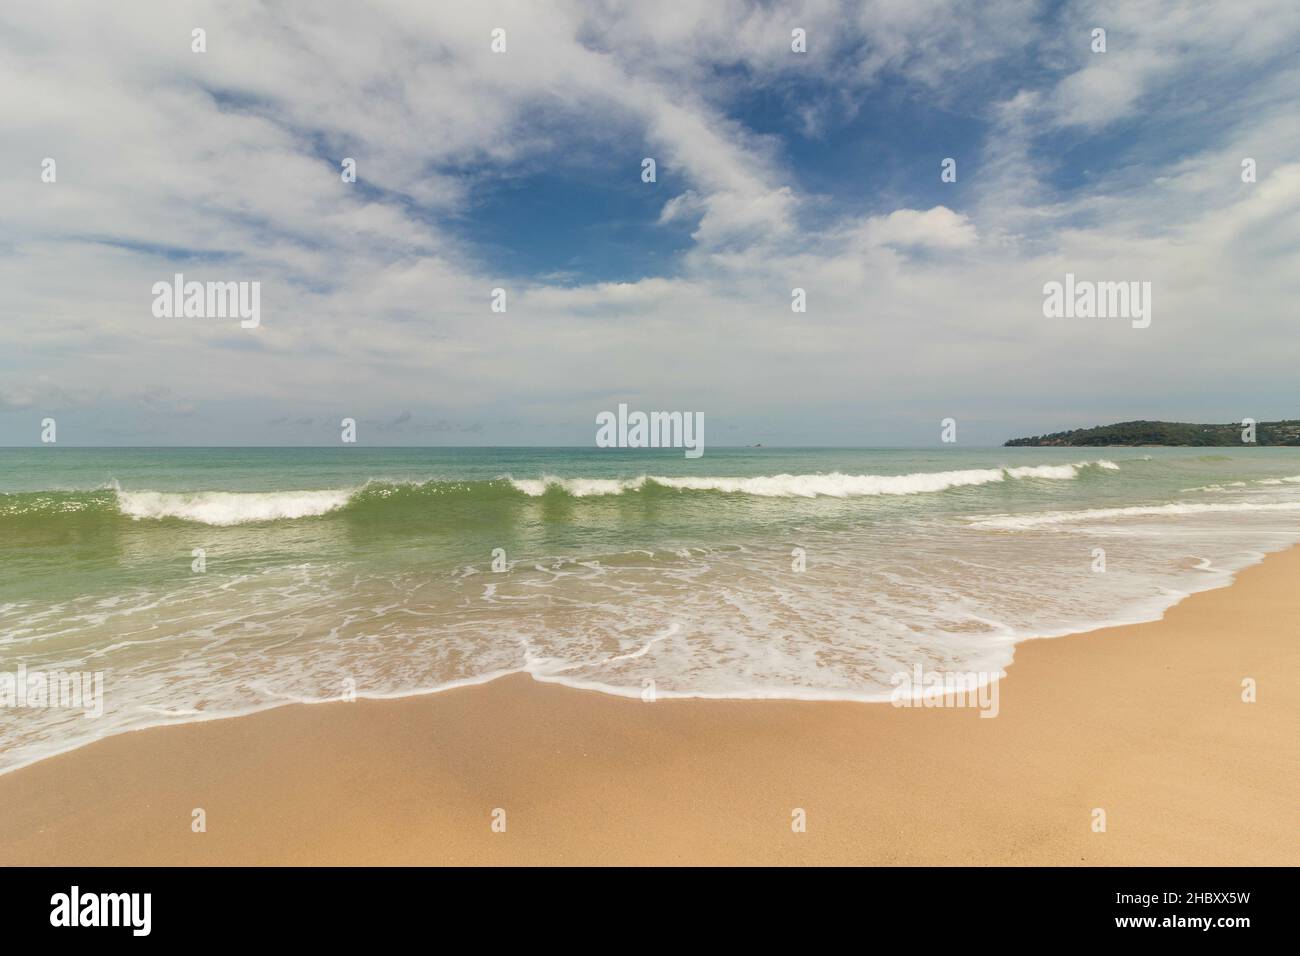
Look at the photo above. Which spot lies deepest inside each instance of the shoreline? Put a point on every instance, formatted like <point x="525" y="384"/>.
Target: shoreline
<point x="1143" y="720"/>
<point x="1222" y="578"/>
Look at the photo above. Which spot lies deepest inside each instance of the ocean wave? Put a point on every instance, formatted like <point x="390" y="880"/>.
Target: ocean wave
<point x="579" y="487"/>
<point x="230" y="507"/>
<point x="1004" y="522"/>
<point x="223" y="508"/>
<point x="832" y="485"/>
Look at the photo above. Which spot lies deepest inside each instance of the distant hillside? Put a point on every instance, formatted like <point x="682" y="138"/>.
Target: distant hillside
<point x="1167" y="433"/>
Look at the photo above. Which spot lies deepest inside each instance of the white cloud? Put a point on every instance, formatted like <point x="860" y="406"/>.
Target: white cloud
<point x="224" y="165"/>
<point x="937" y="228"/>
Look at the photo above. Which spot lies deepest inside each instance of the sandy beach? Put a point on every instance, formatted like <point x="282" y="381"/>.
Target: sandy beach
<point x="1145" y="722"/>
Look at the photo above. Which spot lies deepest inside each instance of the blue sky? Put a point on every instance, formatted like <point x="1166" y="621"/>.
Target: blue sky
<point x="521" y="170"/>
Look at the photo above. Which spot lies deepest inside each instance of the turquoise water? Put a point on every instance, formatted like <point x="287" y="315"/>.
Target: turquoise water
<point x="209" y="582"/>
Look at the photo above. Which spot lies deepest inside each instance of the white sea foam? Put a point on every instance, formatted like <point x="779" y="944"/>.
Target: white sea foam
<point x="578" y="487"/>
<point x="1003" y="522"/>
<point x="230" y="507"/>
<point x="833" y="484"/>
<point x="1293" y="479"/>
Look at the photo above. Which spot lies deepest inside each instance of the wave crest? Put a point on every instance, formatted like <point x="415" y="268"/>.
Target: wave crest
<point x="230" y="507"/>
<point x="831" y="485"/>
<point x="223" y="508"/>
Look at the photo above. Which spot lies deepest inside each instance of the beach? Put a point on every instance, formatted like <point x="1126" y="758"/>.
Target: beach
<point x="1145" y="722"/>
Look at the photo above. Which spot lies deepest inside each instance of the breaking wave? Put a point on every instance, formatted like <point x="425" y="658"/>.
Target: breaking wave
<point x="833" y="485"/>
<point x="223" y="508"/>
<point x="230" y="507"/>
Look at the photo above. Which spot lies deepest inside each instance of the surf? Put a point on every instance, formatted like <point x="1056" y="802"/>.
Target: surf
<point x="228" y="508"/>
<point x="1047" y="519"/>
<point x="221" y="508"/>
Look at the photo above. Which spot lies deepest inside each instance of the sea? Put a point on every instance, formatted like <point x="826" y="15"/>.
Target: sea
<point x="212" y="582"/>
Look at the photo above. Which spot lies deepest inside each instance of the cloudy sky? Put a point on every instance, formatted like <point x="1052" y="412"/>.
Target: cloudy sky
<point x="522" y="170"/>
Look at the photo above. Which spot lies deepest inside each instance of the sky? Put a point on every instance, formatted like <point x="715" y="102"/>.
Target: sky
<point x="522" y="170"/>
